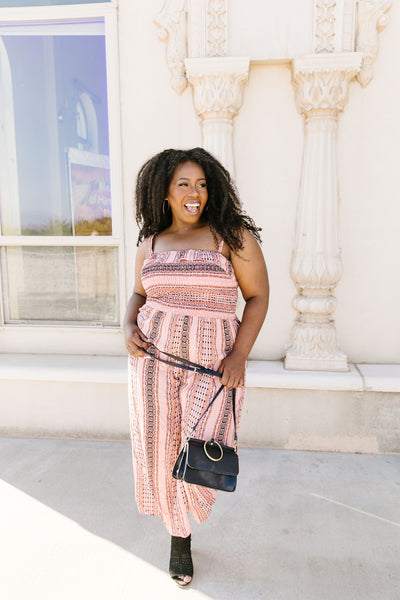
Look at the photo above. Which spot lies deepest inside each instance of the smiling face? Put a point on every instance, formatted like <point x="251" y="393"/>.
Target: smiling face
<point x="187" y="194"/>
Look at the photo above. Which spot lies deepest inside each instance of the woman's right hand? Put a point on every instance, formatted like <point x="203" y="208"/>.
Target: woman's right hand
<point x="135" y="341"/>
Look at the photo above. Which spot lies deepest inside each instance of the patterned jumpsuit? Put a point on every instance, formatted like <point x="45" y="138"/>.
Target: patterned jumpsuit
<point x="189" y="312"/>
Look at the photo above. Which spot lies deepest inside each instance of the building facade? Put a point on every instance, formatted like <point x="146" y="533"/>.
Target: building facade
<point x="300" y="101"/>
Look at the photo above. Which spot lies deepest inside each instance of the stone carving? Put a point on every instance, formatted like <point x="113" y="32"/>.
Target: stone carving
<point x="322" y="91"/>
<point x="197" y="28"/>
<point x="324" y="26"/>
<point x="218" y="85"/>
<point x="371" y="19"/>
<point x="348" y="31"/>
<point x="321" y="83"/>
<point x="217" y="28"/>
<point x="172" y="23"/>
<point x="218" y="92"/>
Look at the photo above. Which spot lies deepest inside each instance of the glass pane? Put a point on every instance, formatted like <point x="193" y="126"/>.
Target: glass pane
<point x="15" y="3"/>
<point x="67" y="284"/>
<point x="54" y="161"/>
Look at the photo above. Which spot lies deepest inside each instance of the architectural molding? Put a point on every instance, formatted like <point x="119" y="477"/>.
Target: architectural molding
<point x="197" y="28"/>
<point x="217" y="28"/>
<point x="218" y="85"/>
<point x="321" y="84"/>
<point x="371" y="19"/>
<point x="349" y="24"/>
<point x="334" y="25"/>
<point x="172" y="23"/>
<point x="324" y="25"/>
<point x="322" y="81"/>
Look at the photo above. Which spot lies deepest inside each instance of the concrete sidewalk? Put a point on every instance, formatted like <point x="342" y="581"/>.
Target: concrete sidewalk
<point x="301" y="526"/>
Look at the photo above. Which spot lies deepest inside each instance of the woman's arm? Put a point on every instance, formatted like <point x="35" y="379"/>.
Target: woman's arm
<point x="251" y="273"/>
<point x="134" y="339"/>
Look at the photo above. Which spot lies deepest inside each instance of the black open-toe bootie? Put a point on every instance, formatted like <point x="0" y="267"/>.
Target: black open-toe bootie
<point x="180" y="562"/>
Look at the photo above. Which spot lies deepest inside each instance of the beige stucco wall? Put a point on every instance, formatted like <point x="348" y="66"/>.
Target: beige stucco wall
<point x="262" y="28"/>
<point x="268" y="147"/>
<point x="368" y="317"/>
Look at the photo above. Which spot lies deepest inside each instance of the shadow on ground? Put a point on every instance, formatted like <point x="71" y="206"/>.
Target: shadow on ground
<point x="301" y="525"/>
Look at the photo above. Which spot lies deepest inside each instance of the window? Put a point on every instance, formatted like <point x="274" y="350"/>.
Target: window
<point x="60" y="242"/>
<point x="16" y="3"/>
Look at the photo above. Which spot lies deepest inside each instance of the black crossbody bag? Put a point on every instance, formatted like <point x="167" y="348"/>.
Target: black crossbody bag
<point x="204" y="462"/>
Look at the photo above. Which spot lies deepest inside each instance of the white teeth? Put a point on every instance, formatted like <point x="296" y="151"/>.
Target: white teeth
<point x="193" y="208"/>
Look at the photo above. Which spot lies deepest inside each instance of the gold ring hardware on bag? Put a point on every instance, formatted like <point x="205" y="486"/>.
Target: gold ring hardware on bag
<point x="208" y="455"/>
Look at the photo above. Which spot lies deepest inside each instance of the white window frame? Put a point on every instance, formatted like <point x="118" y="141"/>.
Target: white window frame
<point x="81" y="338"/>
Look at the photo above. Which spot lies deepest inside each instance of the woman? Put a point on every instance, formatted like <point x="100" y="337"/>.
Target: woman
<point x="197" y="246"/>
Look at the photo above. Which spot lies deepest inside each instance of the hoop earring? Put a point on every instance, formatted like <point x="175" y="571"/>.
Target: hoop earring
<point x="165" y="203"/>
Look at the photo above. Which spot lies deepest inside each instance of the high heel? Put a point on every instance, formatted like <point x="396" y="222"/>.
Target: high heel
<point x="180" y="562"/>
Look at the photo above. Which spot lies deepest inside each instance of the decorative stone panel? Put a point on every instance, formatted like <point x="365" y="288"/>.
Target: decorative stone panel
<point x="334" y="25"/>
<point x="217" y="28"/>
<point x="324" y="25"/>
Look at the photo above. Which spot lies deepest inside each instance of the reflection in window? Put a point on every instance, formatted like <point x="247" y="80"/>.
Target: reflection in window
<point x="90" y="193"/>
<point x="55" y="132"/>
<point x="64" y="284"/>
<point x="15" y="3"/>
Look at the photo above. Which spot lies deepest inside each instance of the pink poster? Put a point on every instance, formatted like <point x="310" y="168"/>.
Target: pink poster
<point x="90" y="193"/>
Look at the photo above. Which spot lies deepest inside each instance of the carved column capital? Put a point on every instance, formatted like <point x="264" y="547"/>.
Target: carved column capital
<point x="322" y="81"/>
<point x="371" y="19"/>
<point x="172" y="23"/>
<point x="218" y="85"/>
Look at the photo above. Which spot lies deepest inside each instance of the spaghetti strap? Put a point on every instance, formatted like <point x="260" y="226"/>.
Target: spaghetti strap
<point x="220" y="245"/>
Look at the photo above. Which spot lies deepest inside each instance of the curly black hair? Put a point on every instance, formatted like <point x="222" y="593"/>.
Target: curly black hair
<point x="223" y="210"/>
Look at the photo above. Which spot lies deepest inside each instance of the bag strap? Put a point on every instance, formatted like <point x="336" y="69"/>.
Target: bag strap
<point x="211" y="403"/>
<point x="186" y="364"/>
<point x="190" y="366"/>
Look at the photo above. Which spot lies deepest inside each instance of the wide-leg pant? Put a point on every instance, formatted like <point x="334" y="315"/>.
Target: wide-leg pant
<point x="164" y="404"/>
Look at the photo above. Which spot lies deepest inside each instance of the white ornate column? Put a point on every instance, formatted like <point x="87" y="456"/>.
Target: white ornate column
<point x="321" y="83"/>
<point x="218" y="85"/>
<point x="196" y="32"/>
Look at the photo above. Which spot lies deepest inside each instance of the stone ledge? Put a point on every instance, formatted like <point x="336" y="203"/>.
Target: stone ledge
<point x="272" y="374"/>
<point x="260" y="374"/>
<point x="63" y="367"/>
<point x="380" y="378"/>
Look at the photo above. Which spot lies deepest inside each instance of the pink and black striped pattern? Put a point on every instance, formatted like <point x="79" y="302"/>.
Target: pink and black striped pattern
<point x="189" y="312"/>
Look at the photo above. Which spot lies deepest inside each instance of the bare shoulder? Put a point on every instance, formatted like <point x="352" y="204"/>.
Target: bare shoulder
<point x="249" y="239"/>
<point x="250" y="268"/>
<point x="251" y="248"/>
<point x="143" y="250"/>
<point x="141" y="255"/>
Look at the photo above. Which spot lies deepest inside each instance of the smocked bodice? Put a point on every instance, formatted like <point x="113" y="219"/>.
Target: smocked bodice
<point x="191" y="282"/>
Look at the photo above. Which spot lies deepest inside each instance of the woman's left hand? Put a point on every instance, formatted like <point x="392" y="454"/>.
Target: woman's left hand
<point x="233" y="369"/>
